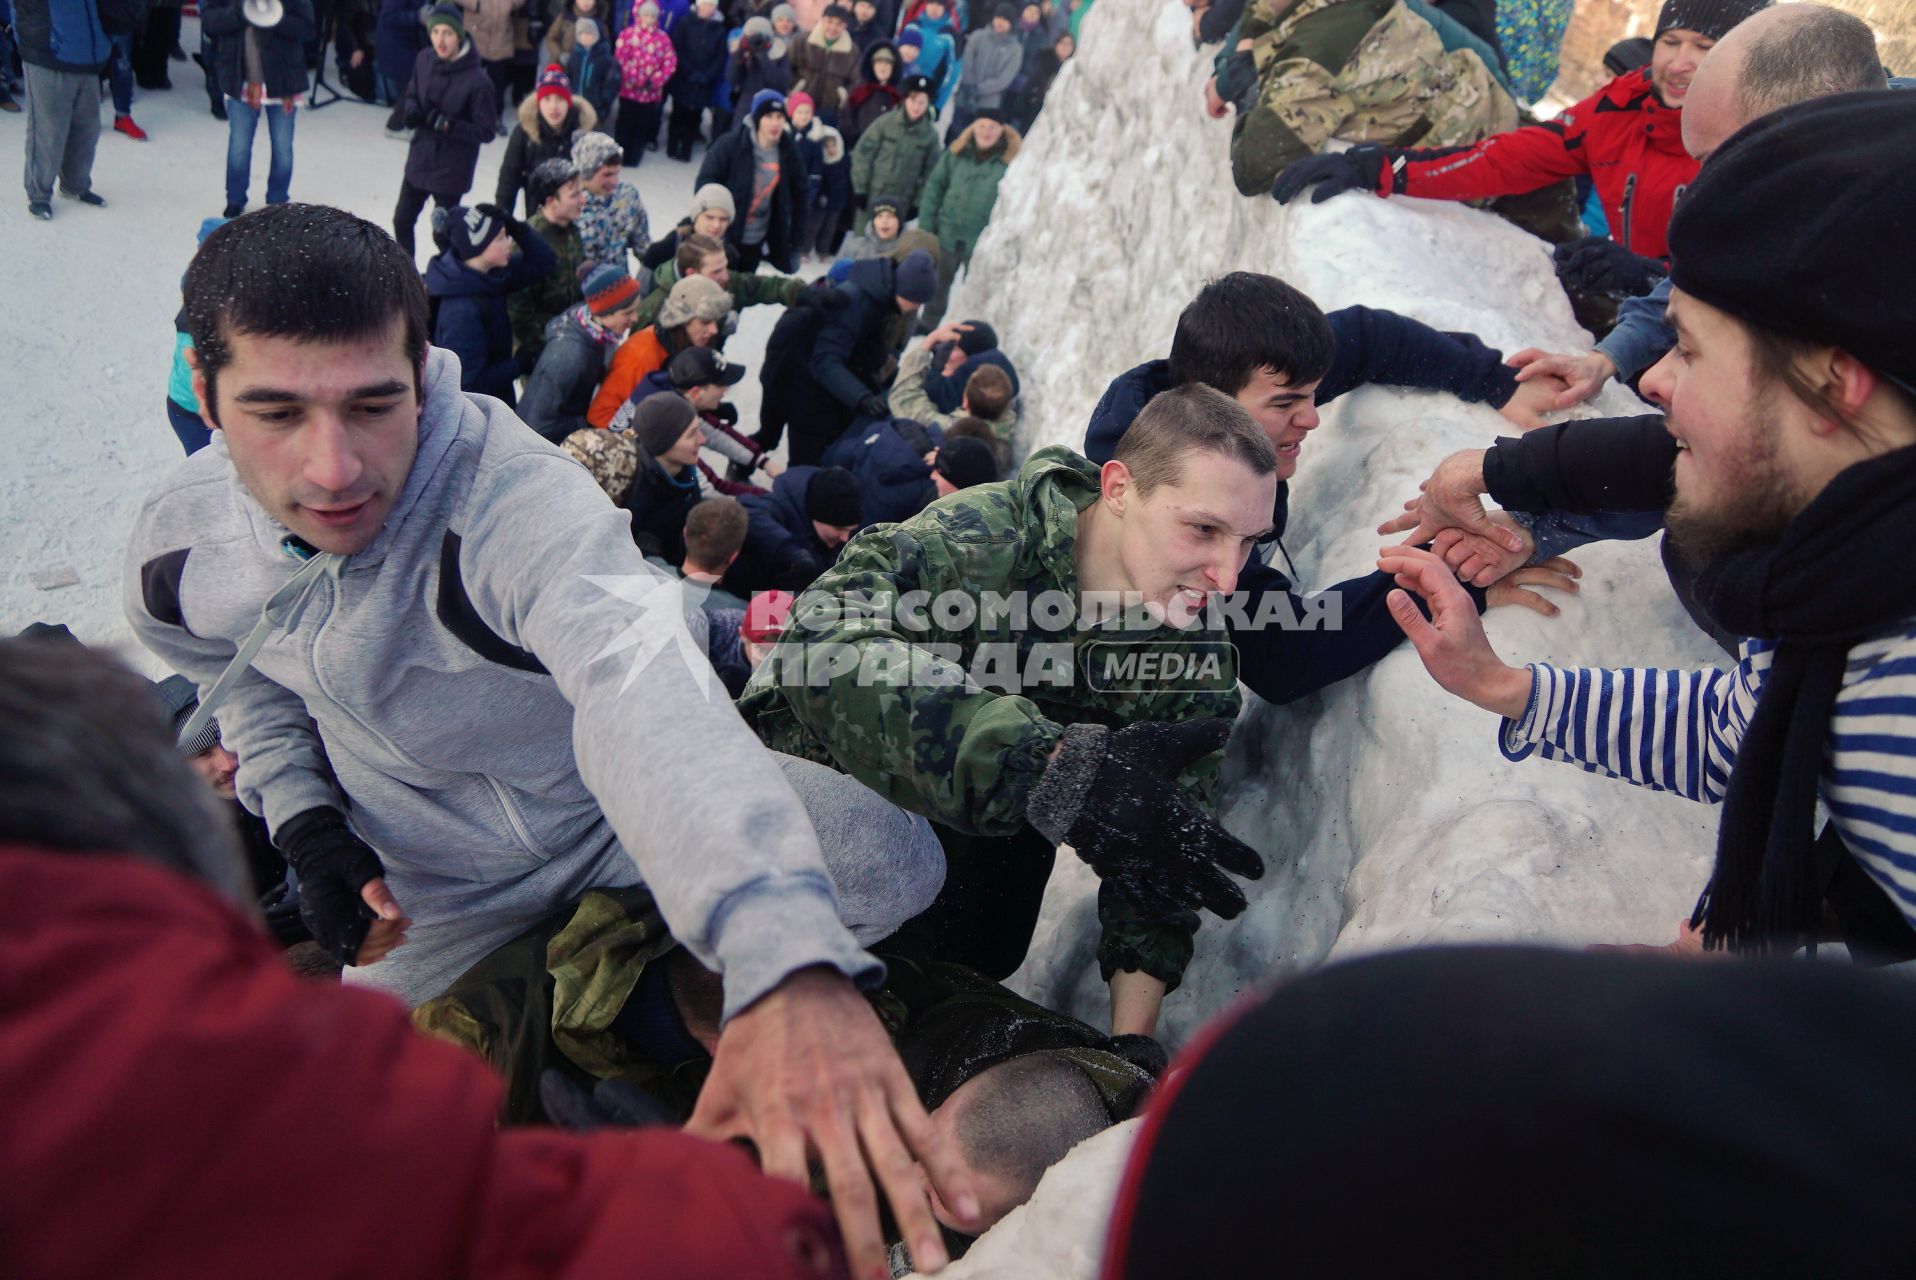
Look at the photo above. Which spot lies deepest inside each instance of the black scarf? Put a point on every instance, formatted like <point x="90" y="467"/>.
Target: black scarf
<point x="1837" y="576"/>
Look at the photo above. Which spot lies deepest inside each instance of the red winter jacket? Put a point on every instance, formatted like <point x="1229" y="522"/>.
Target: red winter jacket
<point x="175" y="1102"/>
<point x="1629" y="143"/>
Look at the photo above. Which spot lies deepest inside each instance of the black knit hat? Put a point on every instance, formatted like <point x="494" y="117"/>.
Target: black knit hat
<point x="1712" y="18"/>
<point x="1833" y="180"/>
<point x="915" y="84"/>
<point x="977" y="338"/>
<point x="966" y="462"/>
<point x="660" y="419"/>
<point x="831" y="497"/>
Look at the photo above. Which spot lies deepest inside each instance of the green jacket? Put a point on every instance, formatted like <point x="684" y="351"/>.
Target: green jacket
<point x="533" y="307"/>
<point x="955" y="721"/>
<point x="747" y="290"/>
<point x="894" y="157"/>
<point x="963" y="188"/>
<point x="1357" y="70"/>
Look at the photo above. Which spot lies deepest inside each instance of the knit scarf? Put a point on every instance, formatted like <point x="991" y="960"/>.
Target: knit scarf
<point x="1834" y="578"/>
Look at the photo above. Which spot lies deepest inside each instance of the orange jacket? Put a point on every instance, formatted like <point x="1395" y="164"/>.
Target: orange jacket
<point x="639" y="355"/>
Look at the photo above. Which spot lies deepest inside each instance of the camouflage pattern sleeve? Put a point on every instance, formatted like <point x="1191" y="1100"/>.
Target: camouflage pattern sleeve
<point x="1299" y="108"/>
<point x="892" y="704"/>
<point x="1135" y="941"/>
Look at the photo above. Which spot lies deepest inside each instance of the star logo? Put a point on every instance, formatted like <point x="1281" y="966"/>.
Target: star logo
<point x="658" y="625"/>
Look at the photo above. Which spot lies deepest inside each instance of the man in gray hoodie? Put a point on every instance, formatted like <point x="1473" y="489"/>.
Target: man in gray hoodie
<point x="458" y="691"/>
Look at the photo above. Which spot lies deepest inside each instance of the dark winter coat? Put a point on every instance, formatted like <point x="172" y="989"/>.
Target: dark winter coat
<point x="888" y="459"/>
<point x="700" y="44"/>
<point x="749" y="72"/>
<point x="61" y="35"/>
<point x="895" y="157"/>
<point x="397" y="40"/>
<point x="559" y="388"/>
<point x="782" y="551"/>
<point x="1282" y="664"/>
<point x="282" y="49"/>
<point x="825" y="72"/>
<point x="728" y="162"/>
<point x="867" y="34"/>
<point x="851" y="345"/>
<point x="659" y="504"/>
<point x="870" y="98"/>
<point x="442" y="160"/>
<point x="473" y="323"/>
<point x="532" y="143"/>
<point x="1039" y="73"/>
<point x="595" y="77"/>
<point x="828" y="168"/>
<point x="962" y="190"/>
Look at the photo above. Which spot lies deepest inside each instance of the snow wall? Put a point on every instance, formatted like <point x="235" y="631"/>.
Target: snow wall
<point x="1383" y="808"/>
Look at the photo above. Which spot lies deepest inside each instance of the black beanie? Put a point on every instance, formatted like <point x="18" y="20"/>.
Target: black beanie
<point x="831" y="497"/>
<point x="966" y="462"/>
<point x="1833" y="181"/>
<point x="1712" y="18"/>
<point x="977" y="338"/>
<point x="660" y="419"/>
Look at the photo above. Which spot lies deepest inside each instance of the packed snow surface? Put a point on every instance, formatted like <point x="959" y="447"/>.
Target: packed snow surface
<point x="1382" y="806"/>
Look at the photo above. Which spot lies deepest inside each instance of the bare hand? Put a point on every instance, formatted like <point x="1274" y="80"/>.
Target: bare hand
<point x="807" y="1071"/>
<point x="385" y="933"/>
<point x="1534" y="397"/>
<point x="1557" y="573"/>
<point x="1451" y="498"/>
<point x="771" y="466"/>
<point x="1214" y="106"/>
<point x="359" y="57"/>
<point x="950" y="331"/>
<point x="1451" y="641"/>
<point x="1583" y="376"/>
<point x="1477" y="559"/>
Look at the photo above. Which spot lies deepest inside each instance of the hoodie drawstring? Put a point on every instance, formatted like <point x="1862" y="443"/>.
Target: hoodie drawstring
<point x="282" y="611"/>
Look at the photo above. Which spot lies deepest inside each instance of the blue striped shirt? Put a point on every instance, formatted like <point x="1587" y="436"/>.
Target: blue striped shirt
<point x="1678" y="731"/>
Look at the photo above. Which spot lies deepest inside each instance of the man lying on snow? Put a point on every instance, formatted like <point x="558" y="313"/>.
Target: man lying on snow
<point x="189" y="1106"/>
<point x="407" y="609"/>
<point x="1792" y="398"/>
<point x="1029" y="663"/>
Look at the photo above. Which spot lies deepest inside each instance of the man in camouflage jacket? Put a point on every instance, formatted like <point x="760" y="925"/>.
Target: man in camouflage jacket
<point x="958" y="714"/>
<point x="1302" y="72"/>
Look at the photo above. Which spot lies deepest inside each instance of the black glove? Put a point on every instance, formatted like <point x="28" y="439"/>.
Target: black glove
<point x="727" y="413"/>
<point x="333" y="865"/>
<point x="414" y="117"/>
<point x="1598" y="264"/>
<point x="823" y="295"/>
<point x="875" y="406"/>
<point x="1237" y="82"/>
<point x="1112" y="795"/>
<point x="1358" y="169"/>
<point x="439" y="121"/>
<point x="860" y="200"/>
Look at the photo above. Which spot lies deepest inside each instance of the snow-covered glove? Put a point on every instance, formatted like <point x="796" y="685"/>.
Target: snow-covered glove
<point x="1359" y="169"/>
<point x="332" y="865"/>
<point x="875" y="406"/>
<point x="1598" y="264"/>
<point x="1112" y="795"/>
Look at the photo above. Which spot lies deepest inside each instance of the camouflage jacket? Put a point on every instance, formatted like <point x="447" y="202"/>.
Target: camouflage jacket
<point x="748" y="289"/>
<point x="533" y="307"/>
<point x="898" y="669"/>
<point x="1357" y="70"/>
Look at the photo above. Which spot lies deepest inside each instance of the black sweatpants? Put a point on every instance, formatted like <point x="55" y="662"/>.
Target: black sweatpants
<point x="406" y="212"/>
<point x="637" y="128"/>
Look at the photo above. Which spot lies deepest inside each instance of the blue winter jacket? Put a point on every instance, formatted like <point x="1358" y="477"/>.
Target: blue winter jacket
<point x="397" y="39"/>
<point x="61" y="35"/>
<point x="473" y="324"/>
<point x="888" y="459"/>
<point x="782" y="551"/>
<point x="1283" y="664"/>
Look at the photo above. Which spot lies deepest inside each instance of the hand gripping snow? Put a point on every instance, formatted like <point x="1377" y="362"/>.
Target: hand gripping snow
<point x="1112" y="796"/>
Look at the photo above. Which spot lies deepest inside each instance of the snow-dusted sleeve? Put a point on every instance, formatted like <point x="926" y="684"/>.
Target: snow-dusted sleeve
<point x="1666" y="730"/>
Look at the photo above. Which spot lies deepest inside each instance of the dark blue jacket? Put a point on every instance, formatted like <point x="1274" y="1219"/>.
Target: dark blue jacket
<point x="61" y="35"/>
<point x="888" y="459"/>
<point x="729" y="163"/>
<point x="397" y="40"/>
<point x="782" y="551"/>
<point x="473" y="324"/>
<point x="701" y="48"/>
<point x="850" y="347"/>
<point x="595" y="77"/>
<point x="443" y="162"/>
<point x="1381" y="347"/>
<point x="949" y="393"/>
<point x="282" y="49"/>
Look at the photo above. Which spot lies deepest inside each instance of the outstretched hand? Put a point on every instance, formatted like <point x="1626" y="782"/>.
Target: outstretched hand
<point x="807" y="1072"/>
<point x="1556" y="573"/>
<point x="1481" y="560"/>
<point x="1451" y="641"/>
<point x="1452" y="498"/>
<point x="1581" y="376"/>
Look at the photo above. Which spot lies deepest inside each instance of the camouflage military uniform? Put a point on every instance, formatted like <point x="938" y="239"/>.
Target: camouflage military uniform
<point x="954" y="717"/>
<point x="1357" y="70"/>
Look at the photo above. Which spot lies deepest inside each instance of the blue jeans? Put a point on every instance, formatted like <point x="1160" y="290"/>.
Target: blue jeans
<point x="119" y="71"/>
<point x="242" y="122"/>
<point x="387" y="90"/>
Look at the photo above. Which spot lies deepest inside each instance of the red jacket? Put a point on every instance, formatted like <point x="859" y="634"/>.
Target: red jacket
<point x="1622" y="136"/>
<point x="175" y="1102"/>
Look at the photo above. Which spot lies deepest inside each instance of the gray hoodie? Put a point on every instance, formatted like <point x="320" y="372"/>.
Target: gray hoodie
<point x="412" y="692"/>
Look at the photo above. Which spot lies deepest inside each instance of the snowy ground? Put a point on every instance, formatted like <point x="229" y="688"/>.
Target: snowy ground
<point x="86" y="311"/>
<point x="1382" y="806"/>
